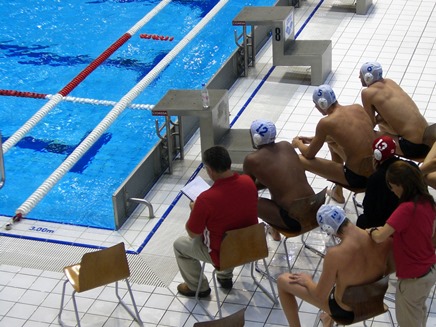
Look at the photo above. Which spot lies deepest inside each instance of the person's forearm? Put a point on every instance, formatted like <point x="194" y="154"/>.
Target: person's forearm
<point x="379" y="234"/>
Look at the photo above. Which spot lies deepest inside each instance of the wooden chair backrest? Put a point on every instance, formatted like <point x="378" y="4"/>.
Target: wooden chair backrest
<point x="103" y="267"/>
<point x="244" y="245"/>
<point x="304" y="211"/>
<point x="366" y="300"/>
<point x="236" y="319"/>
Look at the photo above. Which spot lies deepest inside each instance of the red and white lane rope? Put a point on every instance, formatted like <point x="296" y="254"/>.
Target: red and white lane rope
<point x="56" y="99"/>
<point x="84" y="146"/>
<point x="35" y="95"/>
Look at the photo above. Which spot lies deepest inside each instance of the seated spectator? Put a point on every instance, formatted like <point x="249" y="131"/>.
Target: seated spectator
<point x="230" y="203"/>
<point x="345" y="264"/>
<point x="412" y="226"/>
<point x="349" y="134"/>
<point x="277" y="167"/>
<point x="379" y="201"/>
<point x="393" y="110"/>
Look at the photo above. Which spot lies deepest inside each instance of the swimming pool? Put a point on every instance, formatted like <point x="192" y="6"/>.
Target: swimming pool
<point x="43" y="47"/>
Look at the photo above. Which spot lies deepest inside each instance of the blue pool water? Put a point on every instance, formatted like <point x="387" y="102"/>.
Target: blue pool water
<point x="44" y="44"/>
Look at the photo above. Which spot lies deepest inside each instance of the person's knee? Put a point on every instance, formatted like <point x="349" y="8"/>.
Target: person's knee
<point x="179" y="244"/>
<point x="283" y="281"/>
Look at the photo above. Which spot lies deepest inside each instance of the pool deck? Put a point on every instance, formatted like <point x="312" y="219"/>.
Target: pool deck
<point x="398" y="34"/>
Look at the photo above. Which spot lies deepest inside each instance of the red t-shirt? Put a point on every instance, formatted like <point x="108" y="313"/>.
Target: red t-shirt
<point x="413" y="249"/>
<point x="230" y="203"/>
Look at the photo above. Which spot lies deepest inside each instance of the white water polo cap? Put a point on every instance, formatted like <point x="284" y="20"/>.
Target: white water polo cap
<point x="263" y="132"/>
<point x="371" y="72"/>
<point x="330" y="218"/>
<point x="323" y="96"/>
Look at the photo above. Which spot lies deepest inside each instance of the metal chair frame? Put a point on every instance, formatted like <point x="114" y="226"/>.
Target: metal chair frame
<point x="97" y="269"/>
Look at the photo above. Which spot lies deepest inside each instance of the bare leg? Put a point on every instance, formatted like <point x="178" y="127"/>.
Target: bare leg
<point x="274" y="233"/>
<point x="289" y="290"/>
<point x="288" y="302"/>
<point x="338" y="156"/>
<point x="326" y="320"/>
<point x="325" y="168"/>
<point x="337" y="194"/>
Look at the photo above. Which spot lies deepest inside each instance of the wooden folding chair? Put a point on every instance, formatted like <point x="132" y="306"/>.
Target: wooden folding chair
<point x="304" y="212"/>
<point x="236" y="319"/>
<point x="366" y="301"/>
<point x="97" y="269"/>
<point x="239" y="247"/>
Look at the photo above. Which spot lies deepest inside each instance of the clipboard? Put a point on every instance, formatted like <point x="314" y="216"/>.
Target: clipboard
<point x="195" y="187"/>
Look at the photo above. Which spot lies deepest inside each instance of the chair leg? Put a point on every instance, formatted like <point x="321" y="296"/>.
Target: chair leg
<point x="62" y="304"/>
<point x="134" y="315"/>
<point x="76" y="310"/>
<point x="318" y="318"/>
<point x="215" y="286"/>
<point x="390" y="318"/>
<point x="198" y="291"/>
<point x="271" y="295"/>
<point x="311" y="248"/>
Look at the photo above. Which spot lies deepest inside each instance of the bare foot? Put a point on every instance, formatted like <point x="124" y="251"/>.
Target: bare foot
<point x="336" y="194"/>
<point x="274" y="234"/>
<point x="326" y="320"/>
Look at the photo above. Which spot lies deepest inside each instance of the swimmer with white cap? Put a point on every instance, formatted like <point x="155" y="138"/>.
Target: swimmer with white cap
<point x="348" y="132"/>
<point x="277" y="167"/>
<point x="356" y="260"/>
<point x="393" y="111"/>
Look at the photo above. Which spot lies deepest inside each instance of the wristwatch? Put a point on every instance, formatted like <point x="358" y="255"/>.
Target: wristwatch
<point x="372" y="230"/>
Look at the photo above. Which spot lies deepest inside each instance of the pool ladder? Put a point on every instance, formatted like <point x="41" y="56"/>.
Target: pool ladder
<point x="2" y="164"/>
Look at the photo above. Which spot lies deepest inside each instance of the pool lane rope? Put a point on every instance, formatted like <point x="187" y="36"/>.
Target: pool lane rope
<point x="56" y="99"/>
<point x="98" y="131"/>
<point x="35" y="95"/>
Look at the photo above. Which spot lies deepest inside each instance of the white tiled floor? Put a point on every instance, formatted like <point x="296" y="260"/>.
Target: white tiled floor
<point x="400" y="34"/>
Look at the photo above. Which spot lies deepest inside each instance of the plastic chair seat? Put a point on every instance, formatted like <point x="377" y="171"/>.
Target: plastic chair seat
<point x="366" y="301"/>
<point x="240" y="247"/>
<point x="97" y="269"/>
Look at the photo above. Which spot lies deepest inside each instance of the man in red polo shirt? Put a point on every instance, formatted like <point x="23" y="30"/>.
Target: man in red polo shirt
<point x="230" y="203"/>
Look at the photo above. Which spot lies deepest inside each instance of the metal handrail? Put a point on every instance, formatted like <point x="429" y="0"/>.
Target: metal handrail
<point x="148" y="204"/>
<point x="2" y="164"/>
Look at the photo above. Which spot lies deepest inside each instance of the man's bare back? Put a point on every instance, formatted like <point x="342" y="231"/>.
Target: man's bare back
<point x="277" y="167"/>
<point x="351" y="129"/>
<point x="394" y="111"/>
<point x="354" y="269"/>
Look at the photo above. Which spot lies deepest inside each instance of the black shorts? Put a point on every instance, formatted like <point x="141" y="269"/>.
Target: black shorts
<point x="413" y="150"/>
<point x="336" y="312"/>
<point x="354" y="180"/>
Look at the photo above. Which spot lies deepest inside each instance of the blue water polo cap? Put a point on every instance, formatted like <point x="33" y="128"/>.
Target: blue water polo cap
<point x="371" y="72"/>
<point x="263" y="132"/>
<point x="330" y="218"/>
<point x="323" y="96"/>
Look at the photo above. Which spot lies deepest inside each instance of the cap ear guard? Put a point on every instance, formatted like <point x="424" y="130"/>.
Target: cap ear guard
<point x="328" y="229"/>
<point x="257" y="139"/>
<point x="378" y="155"/>
<point x="368" y="78"/>
<point x="323" y="103"/>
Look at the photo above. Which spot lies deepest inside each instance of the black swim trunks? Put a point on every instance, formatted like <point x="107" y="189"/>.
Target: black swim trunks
<point x="413" y="150"/>
<point x="355" y="180"/>
<point x="337" y="313"/>
<point x="292" y="224"/>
